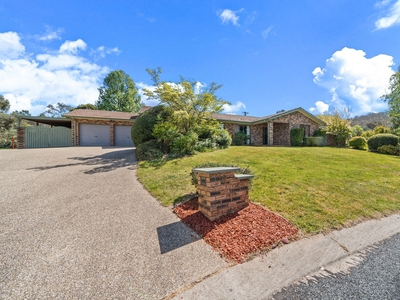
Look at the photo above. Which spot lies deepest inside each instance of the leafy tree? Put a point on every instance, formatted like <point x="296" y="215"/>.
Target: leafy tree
<point x="57" y="110"/>
<point x="381" y="129"/>
<point x="393" y="99"/>
<point x="6" y="121"/>
<point x="192" y="106"/>
<point x="86" y="106"/>
<point x="118" y="93"/>
<point x="4" y="104"/>
<point x="338" y="123"/>
<point x="356" y="130"/>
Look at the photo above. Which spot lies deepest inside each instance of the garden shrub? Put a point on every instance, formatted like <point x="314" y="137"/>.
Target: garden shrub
<point x="379" y="140"/>
<point x="142" y="128"/>
<point x="358" y="142"/>
<point x="320" y="132"/>
<point x="296" y="136"/>
<point x="381" y="129"/>
<point x="389" y="149"/>
<point x="357" y="130"/>
<point x="193" y="175"/>
<point x="240" y="139"/>
<point x="314" y="141"/>
<point x="367" y="134"/>
<point x="184" y="144"/>
<point x="223" y="138"/>
<point x="149" y="150"/>
<point x="203" y="145"/>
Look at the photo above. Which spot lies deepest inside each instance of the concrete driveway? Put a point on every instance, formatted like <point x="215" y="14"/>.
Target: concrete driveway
<point x="76" y="223"/>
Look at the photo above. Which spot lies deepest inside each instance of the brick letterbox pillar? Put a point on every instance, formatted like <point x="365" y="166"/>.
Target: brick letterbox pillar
<point x="221" y="191"/>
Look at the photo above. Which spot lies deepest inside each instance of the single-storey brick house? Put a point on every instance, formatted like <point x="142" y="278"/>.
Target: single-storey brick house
<point x="271" y="130"/>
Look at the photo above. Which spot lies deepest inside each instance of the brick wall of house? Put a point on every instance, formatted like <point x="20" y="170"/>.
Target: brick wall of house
<point x="296" y="119"/>
<point x="281" y="134"/>
<point x="232" y="128"/>
<point x="257" y="134"/>
<point x="20" y="137"/>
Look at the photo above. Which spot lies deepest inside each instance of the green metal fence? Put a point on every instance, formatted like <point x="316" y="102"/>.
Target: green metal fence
<point x="46" y="137"/>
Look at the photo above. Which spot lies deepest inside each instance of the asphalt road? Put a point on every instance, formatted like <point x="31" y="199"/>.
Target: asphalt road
<point x="376" y="277"/>
<point x="75" y="223"/>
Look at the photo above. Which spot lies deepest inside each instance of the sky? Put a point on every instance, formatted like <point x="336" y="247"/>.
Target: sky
<point x="268" y="55"/>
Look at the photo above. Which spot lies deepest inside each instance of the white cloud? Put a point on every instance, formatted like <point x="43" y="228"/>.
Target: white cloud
<point x="49" y="78"/>
<point x="51" y="34"/>
<point x="229" y="16"/>
<point x="234" y="107"/>
<point x="266" y="32"/>
<point x="10" y="45"/>
<point x="73" y="46"/>
<point x="149" y="102"/>
<point x="391" y="18"/>
<point x="102" y="51"/>
<point x="356" y="81"/>
<point x="320" y="107"/>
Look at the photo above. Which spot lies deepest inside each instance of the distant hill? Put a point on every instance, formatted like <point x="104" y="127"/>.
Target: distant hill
<point x="369" y="121"/>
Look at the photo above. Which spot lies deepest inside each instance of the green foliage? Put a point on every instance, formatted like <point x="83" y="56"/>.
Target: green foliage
<point x="357" y="130"/>
<point x="338" y="123"/>
<point x="118" y="93"/>
<point x="296" y="136"/>
<point x="57" y="110"/>
<point x="379" y="140"/>
<point x="149" y="150"/>
<point x="358" y="142"/>
<point x="223" y="138"/>
<point x="320" y="132"/>
<point x="396" y="131"/>
<point x="389" y="149"/>
<point x="192" y="105"/>
<point x="142" y="128"/>
<point x="314" y="141"/>
<point x="166" y="133"/>
<point x="193" y="175"/>
<point x="4" y="104"/>
<point x="6" y="138"/>
<point x="86" y="106"/>
<point x="393" y="99"/>
<point x="240" y="138"/>
<point x="381" y="129"/>
<point x="367" y="134"/>
<point x="185" y="144"/>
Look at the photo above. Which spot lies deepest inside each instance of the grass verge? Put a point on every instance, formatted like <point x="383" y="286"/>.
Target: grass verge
<point x="316" y="189"/>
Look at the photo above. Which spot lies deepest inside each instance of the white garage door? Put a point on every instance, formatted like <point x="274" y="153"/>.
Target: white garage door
<point x="94" y="135"/>
<point x="122" y="135"/>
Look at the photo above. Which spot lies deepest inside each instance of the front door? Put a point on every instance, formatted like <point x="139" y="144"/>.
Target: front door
<point x="265" y="135"/>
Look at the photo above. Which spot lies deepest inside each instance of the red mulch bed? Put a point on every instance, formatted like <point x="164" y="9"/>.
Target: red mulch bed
<point x="237" y="235"/>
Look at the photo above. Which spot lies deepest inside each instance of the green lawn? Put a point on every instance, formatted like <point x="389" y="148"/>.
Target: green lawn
<point x="315" y="188"/>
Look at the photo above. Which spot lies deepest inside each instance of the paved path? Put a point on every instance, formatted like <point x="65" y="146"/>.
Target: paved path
<point x="377" y="276"/>
<point x="76" y="223"/>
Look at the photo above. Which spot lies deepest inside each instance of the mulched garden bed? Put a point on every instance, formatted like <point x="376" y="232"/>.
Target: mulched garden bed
<point x="236" y="236"/>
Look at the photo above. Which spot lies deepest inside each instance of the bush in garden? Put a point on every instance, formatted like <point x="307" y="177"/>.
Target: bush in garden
<point x="149" y="150"/>
<point x="184" y="144"/>
<point x="142" y="128"/>
<point x="296" y="136"/>
<point x="314" y="141"/>
<point x="379" y="140"/>
<point x="223" y="138"/>
<point x="389" y="149"/>
<point x="240" y="139"/>
<point x="320" y="132"/>
<point x="358" y="142"/>
<point x="357" y="130"/>
<point x="367" y="134"/>
<point x="381" y="129"/>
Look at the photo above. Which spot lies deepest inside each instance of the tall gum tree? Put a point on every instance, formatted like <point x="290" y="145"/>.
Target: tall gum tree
<point x="393" y="99"/>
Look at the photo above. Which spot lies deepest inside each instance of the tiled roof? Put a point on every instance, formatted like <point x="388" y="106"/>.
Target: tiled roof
<point x="101" y="114"/>
<point x="235" y="118"/>
<point x="144" y="108"/>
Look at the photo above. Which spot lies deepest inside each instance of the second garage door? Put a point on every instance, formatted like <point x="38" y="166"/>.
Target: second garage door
<point x="122" y="135"/>
<point x="94" y="135"/>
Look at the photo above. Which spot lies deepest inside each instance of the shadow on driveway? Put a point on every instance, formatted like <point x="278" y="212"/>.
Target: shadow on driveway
<point x="101" y="163"/>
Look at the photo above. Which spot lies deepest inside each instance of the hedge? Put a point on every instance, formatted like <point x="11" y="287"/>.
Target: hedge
<point x="374" y="142"/>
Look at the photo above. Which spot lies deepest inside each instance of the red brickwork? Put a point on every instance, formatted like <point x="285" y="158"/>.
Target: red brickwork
<point x="221" y="194"/>
<point x="20" y="137"/>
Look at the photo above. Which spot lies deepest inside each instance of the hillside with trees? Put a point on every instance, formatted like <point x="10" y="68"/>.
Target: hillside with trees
<point x="370" y="120"/>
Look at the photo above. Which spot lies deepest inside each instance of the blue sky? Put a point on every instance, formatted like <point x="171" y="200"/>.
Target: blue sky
<point x="268" y="55"/>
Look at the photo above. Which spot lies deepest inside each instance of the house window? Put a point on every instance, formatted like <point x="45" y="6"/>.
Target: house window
<point x="246" y="130"/>
<point x="306" y="130"/>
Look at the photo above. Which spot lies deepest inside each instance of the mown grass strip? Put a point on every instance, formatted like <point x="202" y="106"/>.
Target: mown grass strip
<point x="314" y="188"/>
